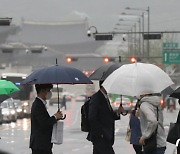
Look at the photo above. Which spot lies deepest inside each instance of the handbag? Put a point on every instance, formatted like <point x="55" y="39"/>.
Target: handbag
<point x="151" y="142"/>
<point x="174" y="132"/>
<point x="57" y="133"/>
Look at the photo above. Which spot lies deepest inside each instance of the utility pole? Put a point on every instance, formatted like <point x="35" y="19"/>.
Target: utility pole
<point x="148" y="45"/>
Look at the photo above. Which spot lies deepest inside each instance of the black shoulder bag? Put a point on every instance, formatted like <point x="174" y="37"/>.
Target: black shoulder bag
<point x="174" y="131"/>
<point x="151" y="142"/>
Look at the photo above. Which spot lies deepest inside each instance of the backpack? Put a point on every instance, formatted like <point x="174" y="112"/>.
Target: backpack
<point x="84" y="116"/>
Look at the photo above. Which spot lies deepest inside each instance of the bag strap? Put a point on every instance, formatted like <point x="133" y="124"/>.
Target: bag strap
<point x="157" y="113"/>
<point x="157" y="120"/>
<point x="178" y="118"/>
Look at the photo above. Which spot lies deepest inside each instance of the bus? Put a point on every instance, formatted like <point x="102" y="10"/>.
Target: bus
<point x="26" y="94"/>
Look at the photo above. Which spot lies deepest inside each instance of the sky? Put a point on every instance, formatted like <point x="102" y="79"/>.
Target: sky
<point x="104" y="14"/>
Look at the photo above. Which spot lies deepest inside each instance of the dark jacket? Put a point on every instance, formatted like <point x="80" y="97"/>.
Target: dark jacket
<point x="135" y="127"/>
<point x="41" y="126"/>
<point x="101" y="118"/>
<point x="178" y="121"/>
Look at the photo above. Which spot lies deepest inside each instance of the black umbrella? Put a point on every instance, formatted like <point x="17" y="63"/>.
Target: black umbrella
<point x="104" y="71"/>
<point x="57" y="75"/>
<point x="167" y="91"/>
<point x="176" y="93"/>
<point x="3" y="97"/>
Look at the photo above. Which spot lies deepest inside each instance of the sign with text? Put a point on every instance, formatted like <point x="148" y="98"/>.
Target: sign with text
<point x="168" y="45"/>
<point x="171" y="57"/>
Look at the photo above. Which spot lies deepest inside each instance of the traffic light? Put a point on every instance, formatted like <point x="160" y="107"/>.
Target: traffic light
<point x="103" y="37"/>
<point x="5" y="21"/>
<point x="152" y="36"/>
<point x="36" y="50"/>
<point x="7" y="50"/>
<point x="86" y="73"/>
<point x="108" y="59"/>
<point x="133" y="59"/>
<point x="71" y="59"/>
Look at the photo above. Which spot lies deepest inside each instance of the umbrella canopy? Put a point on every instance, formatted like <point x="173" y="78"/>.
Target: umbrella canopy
<point x="57" y="75"/>
<point x="7" y="87"/>
<point x="104" y="71"/>
<point x="176" y="93"/>
<point x="137" y="79"/>
<point x="3" y="97"/>
<point x="169" y="90"/>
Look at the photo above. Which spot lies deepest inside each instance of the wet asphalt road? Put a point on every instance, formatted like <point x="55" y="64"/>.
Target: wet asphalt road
<point x="15" y="136"/>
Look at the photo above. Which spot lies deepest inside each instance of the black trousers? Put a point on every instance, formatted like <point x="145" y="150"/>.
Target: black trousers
<point x="102" y="146"/>
<point x="41" y="151"/>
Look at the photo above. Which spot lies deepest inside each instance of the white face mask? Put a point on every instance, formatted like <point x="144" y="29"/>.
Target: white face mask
<point x="49" y="95"/>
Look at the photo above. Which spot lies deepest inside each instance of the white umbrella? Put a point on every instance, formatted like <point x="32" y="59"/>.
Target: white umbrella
<point x="137" y="79"/>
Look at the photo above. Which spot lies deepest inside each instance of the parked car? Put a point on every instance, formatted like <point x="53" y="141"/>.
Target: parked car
<point x="19" y="108"/>
<point x="26" y="108"/>
<point x="9" y="113"/>
<point x="6" y="117"/>
<point x="12" y="108"/>
<point x="126" y="103"/>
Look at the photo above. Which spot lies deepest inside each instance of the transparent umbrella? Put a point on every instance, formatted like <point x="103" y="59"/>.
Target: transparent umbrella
<point x="137" y="79"/>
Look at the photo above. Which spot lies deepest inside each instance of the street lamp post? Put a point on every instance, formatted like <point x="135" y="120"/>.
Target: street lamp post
<point x="148" y="24"/>
<point x="148" y="45"/>
<point x="130" y="29"/>
<point x="143" y="33"/>
<point x="139" y="21"/>
<point x="132" y="45"/>
<point x="135" y="39"/>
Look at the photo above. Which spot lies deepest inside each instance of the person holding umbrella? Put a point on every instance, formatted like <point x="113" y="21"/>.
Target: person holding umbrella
<point x="41" y="122"/>
<point x="101" y="119"/>
<point x="178" y="121"/>
<point x="176" y="94"/>
<point x="151" y="120"/>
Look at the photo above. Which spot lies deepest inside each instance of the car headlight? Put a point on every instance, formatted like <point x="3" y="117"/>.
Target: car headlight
<point x="19" y="110"/>
<point x="5" y="112"/>
<point x="25" y="104"/>
<point x="13" y="112"/>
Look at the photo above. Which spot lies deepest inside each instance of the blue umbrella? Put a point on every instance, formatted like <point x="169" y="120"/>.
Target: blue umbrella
<point x="57" y="75"/>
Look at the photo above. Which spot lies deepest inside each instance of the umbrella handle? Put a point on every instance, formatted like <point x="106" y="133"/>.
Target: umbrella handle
<point x="64" y="117"/>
